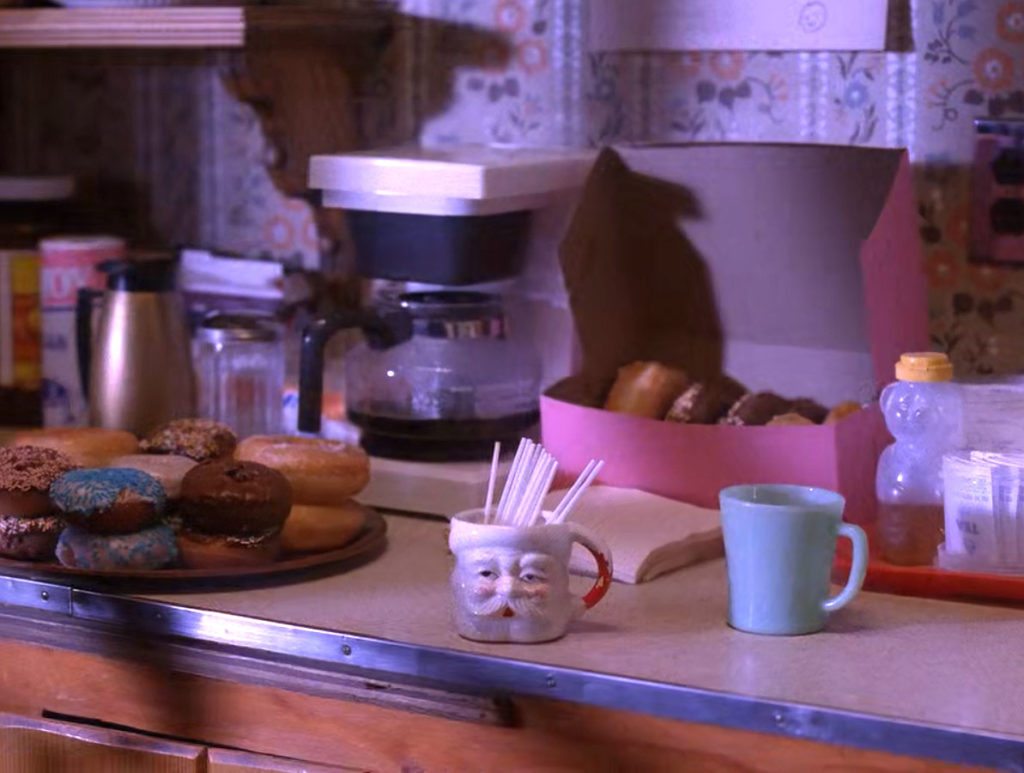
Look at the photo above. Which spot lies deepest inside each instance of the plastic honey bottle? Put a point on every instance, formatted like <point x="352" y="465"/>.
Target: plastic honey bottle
<point x="922" y="410"/>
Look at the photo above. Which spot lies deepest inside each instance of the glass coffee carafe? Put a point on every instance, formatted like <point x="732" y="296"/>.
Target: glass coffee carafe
<point x="438" y="376"/>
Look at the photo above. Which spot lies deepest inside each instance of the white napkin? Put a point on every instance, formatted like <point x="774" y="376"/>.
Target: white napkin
<point x="647" y="534"/>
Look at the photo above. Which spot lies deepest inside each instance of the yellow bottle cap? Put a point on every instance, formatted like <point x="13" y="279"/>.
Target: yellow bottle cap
<point x="924" y="366"/>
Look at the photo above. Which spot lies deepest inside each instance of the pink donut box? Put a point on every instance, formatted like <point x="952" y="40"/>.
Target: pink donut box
<point x="694" y="462"/>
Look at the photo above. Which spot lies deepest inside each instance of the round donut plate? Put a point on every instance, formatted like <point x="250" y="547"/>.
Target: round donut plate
<point x="364" y="545"/>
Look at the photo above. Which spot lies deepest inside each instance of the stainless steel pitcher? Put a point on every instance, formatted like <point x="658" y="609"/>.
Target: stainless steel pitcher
<point x="136" y="366"/>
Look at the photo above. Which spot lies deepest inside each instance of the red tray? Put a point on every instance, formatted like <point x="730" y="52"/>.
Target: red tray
<point x="929" y="581"/>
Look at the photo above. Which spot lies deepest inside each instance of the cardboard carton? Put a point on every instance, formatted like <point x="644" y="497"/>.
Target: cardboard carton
<point x="795" y="269"/>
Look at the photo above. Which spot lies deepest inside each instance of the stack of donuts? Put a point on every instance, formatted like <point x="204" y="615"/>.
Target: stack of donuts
<point x="656" y="391"/>
<point x="188" y="495"/>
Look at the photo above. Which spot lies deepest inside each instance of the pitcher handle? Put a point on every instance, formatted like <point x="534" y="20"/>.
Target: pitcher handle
<point x="858" y="567"/>
<point x="602" y="555"/>
<point x="84" y="306"/>
<point x="382" y="331"/>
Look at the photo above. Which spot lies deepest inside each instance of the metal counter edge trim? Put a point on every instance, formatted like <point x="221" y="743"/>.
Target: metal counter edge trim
<point x="485" y="674"/>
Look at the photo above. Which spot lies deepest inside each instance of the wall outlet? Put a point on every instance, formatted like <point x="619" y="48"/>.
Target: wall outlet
<point x="997" y="196"/>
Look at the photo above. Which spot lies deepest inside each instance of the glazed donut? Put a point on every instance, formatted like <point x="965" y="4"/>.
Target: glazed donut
<point x="85" y="446"/>
<point x="29" y="539"/>
<point x="841" y="411"/>
<point x="151" y="548"/>
<point x="792" y="419"/>
<point x="208" y="551"/>
<point x="311" y="528"/>
<point x="234" y="498"/>
<point x="169" y="469"/>
<point x="198" y="439"/>
<point x="646" y="389"/>
<point x="321" y="472"/>
<point x="115" y="500"/>
<point x="26" y="473"/>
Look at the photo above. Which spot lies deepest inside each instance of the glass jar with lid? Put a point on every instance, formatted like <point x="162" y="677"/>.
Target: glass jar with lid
<point x="240" y="362"/>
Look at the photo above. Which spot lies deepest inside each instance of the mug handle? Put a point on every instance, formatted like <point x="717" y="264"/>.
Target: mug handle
<point x="603" y="557"/>
<point x="858" y="567"/>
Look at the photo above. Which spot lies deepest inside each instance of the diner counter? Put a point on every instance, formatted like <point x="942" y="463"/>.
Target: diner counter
<point x="902" y="675"/>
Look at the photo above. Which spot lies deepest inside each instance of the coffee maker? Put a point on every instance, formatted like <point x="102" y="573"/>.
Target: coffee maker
<point x="442" y="239"/>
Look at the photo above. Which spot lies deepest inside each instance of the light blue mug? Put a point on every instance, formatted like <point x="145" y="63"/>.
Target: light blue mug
<point x="780" y="541"/>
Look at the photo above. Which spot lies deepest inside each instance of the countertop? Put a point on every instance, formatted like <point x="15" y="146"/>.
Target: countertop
<point x="894" y="673"/>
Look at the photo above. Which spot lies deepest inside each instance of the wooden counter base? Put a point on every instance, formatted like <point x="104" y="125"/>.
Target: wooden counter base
<point x="37" y="680"/>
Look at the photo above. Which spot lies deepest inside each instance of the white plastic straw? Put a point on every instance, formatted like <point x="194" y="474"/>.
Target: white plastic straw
<point x="507" y="490"/>
<point x="537" y="505"/>
<point x="534" y="490"/>
<point x="572" y="497"/>
<point x="520" y="481"/>
<point x="528" y="481"/>
<point x="490" y="483"/>
<point x="572" y="490"/>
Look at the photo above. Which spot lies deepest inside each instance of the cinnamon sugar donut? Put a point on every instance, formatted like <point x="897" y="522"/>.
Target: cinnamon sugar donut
<point x="322" y="472"/>
<point x="85" y="446"/>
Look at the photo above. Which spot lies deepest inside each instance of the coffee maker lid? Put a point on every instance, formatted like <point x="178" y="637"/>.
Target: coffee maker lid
<point x="451" y="180"/>
<point x="220" y="327"/>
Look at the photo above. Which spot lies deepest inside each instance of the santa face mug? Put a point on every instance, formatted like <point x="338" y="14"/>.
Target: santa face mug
<point x="512" y="583"/>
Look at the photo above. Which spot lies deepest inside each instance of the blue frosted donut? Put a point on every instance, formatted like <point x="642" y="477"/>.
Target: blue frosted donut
<point x="113" y="500"/>
<point x="152" y="548"/>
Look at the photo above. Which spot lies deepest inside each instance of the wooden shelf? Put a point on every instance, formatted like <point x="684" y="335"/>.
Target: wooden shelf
<point x="176" y="27"/>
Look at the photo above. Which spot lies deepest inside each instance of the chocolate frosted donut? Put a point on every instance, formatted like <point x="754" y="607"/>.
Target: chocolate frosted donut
<point x="755" y="410"/>
<point x="151" y="548"/>
<point x="115" y="500"/>
<point x="239" y="499"/>
<point x="26" y="473"/>
<point x="198" y="439"/>
<point x="705" y="402"/>
<point x="29" y="539"/>
<point x="809" y="409"/>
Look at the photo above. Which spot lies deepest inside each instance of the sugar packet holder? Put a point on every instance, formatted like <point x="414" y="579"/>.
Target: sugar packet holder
<point x="984" y="512"/>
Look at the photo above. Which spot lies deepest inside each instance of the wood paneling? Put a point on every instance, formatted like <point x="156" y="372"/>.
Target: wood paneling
<point x="41" y="746"/>
<point x="551" y="736"/>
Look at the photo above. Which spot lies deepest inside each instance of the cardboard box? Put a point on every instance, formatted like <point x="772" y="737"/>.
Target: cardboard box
<point x="795" y="269"/>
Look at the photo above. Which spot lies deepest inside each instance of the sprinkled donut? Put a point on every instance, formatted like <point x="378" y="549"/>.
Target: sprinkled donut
<point x="151" y="548"/>
<point x="114" y="500"/>
<point x="26" y="473"/>
<point x="198" y="439"/>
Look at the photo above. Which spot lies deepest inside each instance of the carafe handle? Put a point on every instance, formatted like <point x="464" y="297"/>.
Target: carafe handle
<point x="382" y="331"/>
<point x="84" y="305"/>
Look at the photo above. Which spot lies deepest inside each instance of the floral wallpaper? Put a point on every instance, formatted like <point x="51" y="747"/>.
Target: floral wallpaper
<point x="188" y="158"/>
<point x="957" y="60"/>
